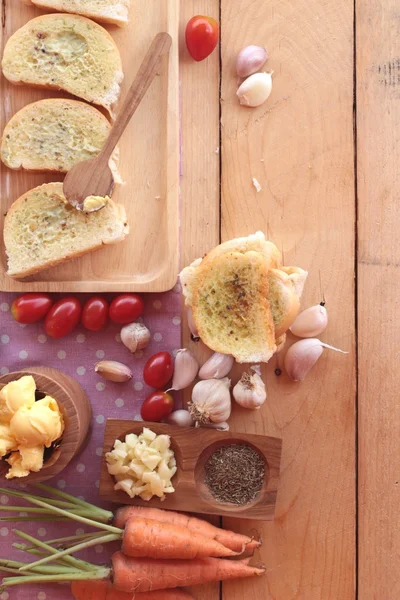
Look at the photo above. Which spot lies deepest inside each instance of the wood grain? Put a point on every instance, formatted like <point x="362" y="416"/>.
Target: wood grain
<point x="299" y="146"/>
<point x="192" y="448"/>
<point x="378" y="156"/>
<point x="76" y="410"/>
<point x="148" y="259"/>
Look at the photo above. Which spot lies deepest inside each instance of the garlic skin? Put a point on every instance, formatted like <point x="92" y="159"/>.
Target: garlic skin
<point x="255" y="90"/>
<point x="217" y="366"/>
<point x="192" y="325"/>
<point x="185" y="370"/>
<point x="112" y="370"/>
<point x="224" y="426"/>
<point x="250" y="391"/>
<point x="181" y="418"/>
<point x="311" y="322"/>
<point x="135" y="336"/>
<point x="211" y="401"/>
<point x="280" y="342"/>
<point x="302" y="356"/>
<point x="250" y="60"/>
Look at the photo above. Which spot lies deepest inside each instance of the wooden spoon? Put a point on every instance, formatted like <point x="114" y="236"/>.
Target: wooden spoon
<point x="94" y="177"/>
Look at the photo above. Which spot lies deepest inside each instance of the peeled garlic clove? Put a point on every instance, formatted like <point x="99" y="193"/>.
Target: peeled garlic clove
<point x="302" y="356"/>
<point x="217" y="366"/>
<point x="135" y="336"/>
<point x="113" y="371"/>
<point x="185" y="370"/>
<point x="255" y="90"/>
<point x="180" y="417"/>
<point x="250" y="60"/>
<point x="250" y="391"/>
<point x="311" y="322"/>
<point x="192" y="325"/>
<point x="211" y="401"/>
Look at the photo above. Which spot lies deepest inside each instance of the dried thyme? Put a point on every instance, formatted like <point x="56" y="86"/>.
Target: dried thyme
<point x="235" y="474"/>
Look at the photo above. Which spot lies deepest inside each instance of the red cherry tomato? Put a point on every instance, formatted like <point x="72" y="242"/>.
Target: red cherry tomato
<point x="158" y="370"/>
<point x="31" y="308"/>
<point x="95" y="314"/>
<point x="157" y="406"/>
<point x="202" y="35"/>
<point x="126" y="308"/>
<point x="63" y="317"/>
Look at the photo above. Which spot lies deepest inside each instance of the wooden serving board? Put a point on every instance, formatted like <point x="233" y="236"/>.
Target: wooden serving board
<point x="148" y="259"/>
<point x="192" y="448"/>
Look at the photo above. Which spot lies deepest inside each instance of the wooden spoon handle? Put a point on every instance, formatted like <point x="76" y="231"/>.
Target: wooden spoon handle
<point x="147" y="71"/>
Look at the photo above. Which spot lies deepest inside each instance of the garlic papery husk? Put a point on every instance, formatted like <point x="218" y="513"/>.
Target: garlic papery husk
<point x="250" y="60"/>
<point x="211" y="401"/>
<point x="192" y="325"/>
<point x="280" y="342"/>
<point x="135" y="336"/>
<point x="113" y="371"/>
<point x="302" y="356"/>
<point x="255" y="90"/>
<point x="311" y="322"/>
<point x="185" y="370"/>
<point x="180" y="417"/>
<point x="250" y="391"/>
<point x="217" y="366"/>
<point x="224" y="426"/>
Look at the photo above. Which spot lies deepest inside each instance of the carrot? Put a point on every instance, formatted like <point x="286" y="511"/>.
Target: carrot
<point x="104" y="590"/>
<point x="146" y="538"/>
<point x="234" y="541"/>
<point x="143" y="575"/>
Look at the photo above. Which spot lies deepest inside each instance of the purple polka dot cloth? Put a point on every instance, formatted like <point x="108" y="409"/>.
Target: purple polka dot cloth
<point x="26" y="346"/>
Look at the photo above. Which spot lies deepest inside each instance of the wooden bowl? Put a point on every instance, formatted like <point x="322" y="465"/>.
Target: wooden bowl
<point x="76" y="410"/>
<point x="192" y="448"/>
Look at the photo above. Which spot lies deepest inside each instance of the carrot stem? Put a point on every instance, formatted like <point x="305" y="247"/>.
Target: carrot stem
<point x="91" y="507"/>
<point x="96" y="573"/>
<point x="13" y="566"/>
<point x="8" y="492"/>
<point x="33" y="519"/>
<point x="74" y="538"/>
<point x="62" y="561"/>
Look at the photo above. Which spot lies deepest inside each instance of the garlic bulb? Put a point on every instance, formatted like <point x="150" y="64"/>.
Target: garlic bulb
<point x="180" y="417"/>
<point x="302" y="356"/>
<point x="217" y="366"/>
<point x="211" y="401"/>
<point x="255" y="90"/>
<point x="185" y="370"/>
<point x="192" y="325"/>
<point x="113" y="371"/>
<point x="250" y="60"/>
<point x="135" y="336"/>
<point x="311" y="322"/>
<point x="250" y="391"/>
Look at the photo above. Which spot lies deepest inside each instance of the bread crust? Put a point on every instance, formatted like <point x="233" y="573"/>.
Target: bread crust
<point x="96" y="17"/>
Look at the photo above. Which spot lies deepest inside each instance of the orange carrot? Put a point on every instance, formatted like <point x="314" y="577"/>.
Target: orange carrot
<point x="146" y="538"/>
<point x="234" y="541"/>
<point x="104" y="590"/>
<point x="144" y="574"/>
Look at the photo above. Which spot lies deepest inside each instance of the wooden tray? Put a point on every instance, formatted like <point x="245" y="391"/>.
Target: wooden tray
<point x="148" y="259"/>
<point x="77" y="412"/>
<point x="192" y="448"/>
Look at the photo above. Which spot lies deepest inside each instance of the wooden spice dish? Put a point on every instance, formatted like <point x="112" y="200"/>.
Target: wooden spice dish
<point x="192" y="448"/>
<point x="77" y="413"/>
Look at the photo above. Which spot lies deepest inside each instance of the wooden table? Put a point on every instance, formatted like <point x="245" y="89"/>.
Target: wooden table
<point x="325" y="149"/>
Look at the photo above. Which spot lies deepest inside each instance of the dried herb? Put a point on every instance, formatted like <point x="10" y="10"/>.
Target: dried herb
<point x="235" y="474"/>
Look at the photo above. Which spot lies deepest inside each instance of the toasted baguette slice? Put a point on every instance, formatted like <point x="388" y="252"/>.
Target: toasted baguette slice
<point x="107" y="11"/>
<point x="65" y="52"/>
<point x="283" y="300"/>
<point x="54" y="135"/>
<point x="42" y="230"/>
<point x="231" y="309"/>
<point x="255" y="242"/>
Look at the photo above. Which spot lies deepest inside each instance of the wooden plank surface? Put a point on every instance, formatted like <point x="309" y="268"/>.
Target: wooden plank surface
<point x="378" y="157"/>
<point x="299" y="146"/>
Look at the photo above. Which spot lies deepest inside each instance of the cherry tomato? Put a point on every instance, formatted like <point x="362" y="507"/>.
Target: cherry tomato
<point x="157" y="406"/>
<point x="126" y="308"/>
<point x="158" y="370"/>
<point x="95" y="314"/>
<point x="202" y="35"/>
<point x="63" y="317"/>
<point x="31" y="308"/>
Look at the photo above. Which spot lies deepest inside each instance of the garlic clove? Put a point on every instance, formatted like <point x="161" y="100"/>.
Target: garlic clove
<point x="224" y="426"/>
<point x="192" y="325"/>
<point x="250" y="391"/>
<point x="310" y="322"/>
<point x="211" y="401"/>
<point x="113" y="371"/>
<point x="255" y="90"/>
<point x="185" y="370"/>
<point x="250" y="60"/>
<point x="302" y="356"/>
<point x="217" y="366"/>
<point x="135" y="336"/>
<point x="181" y="418"/>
